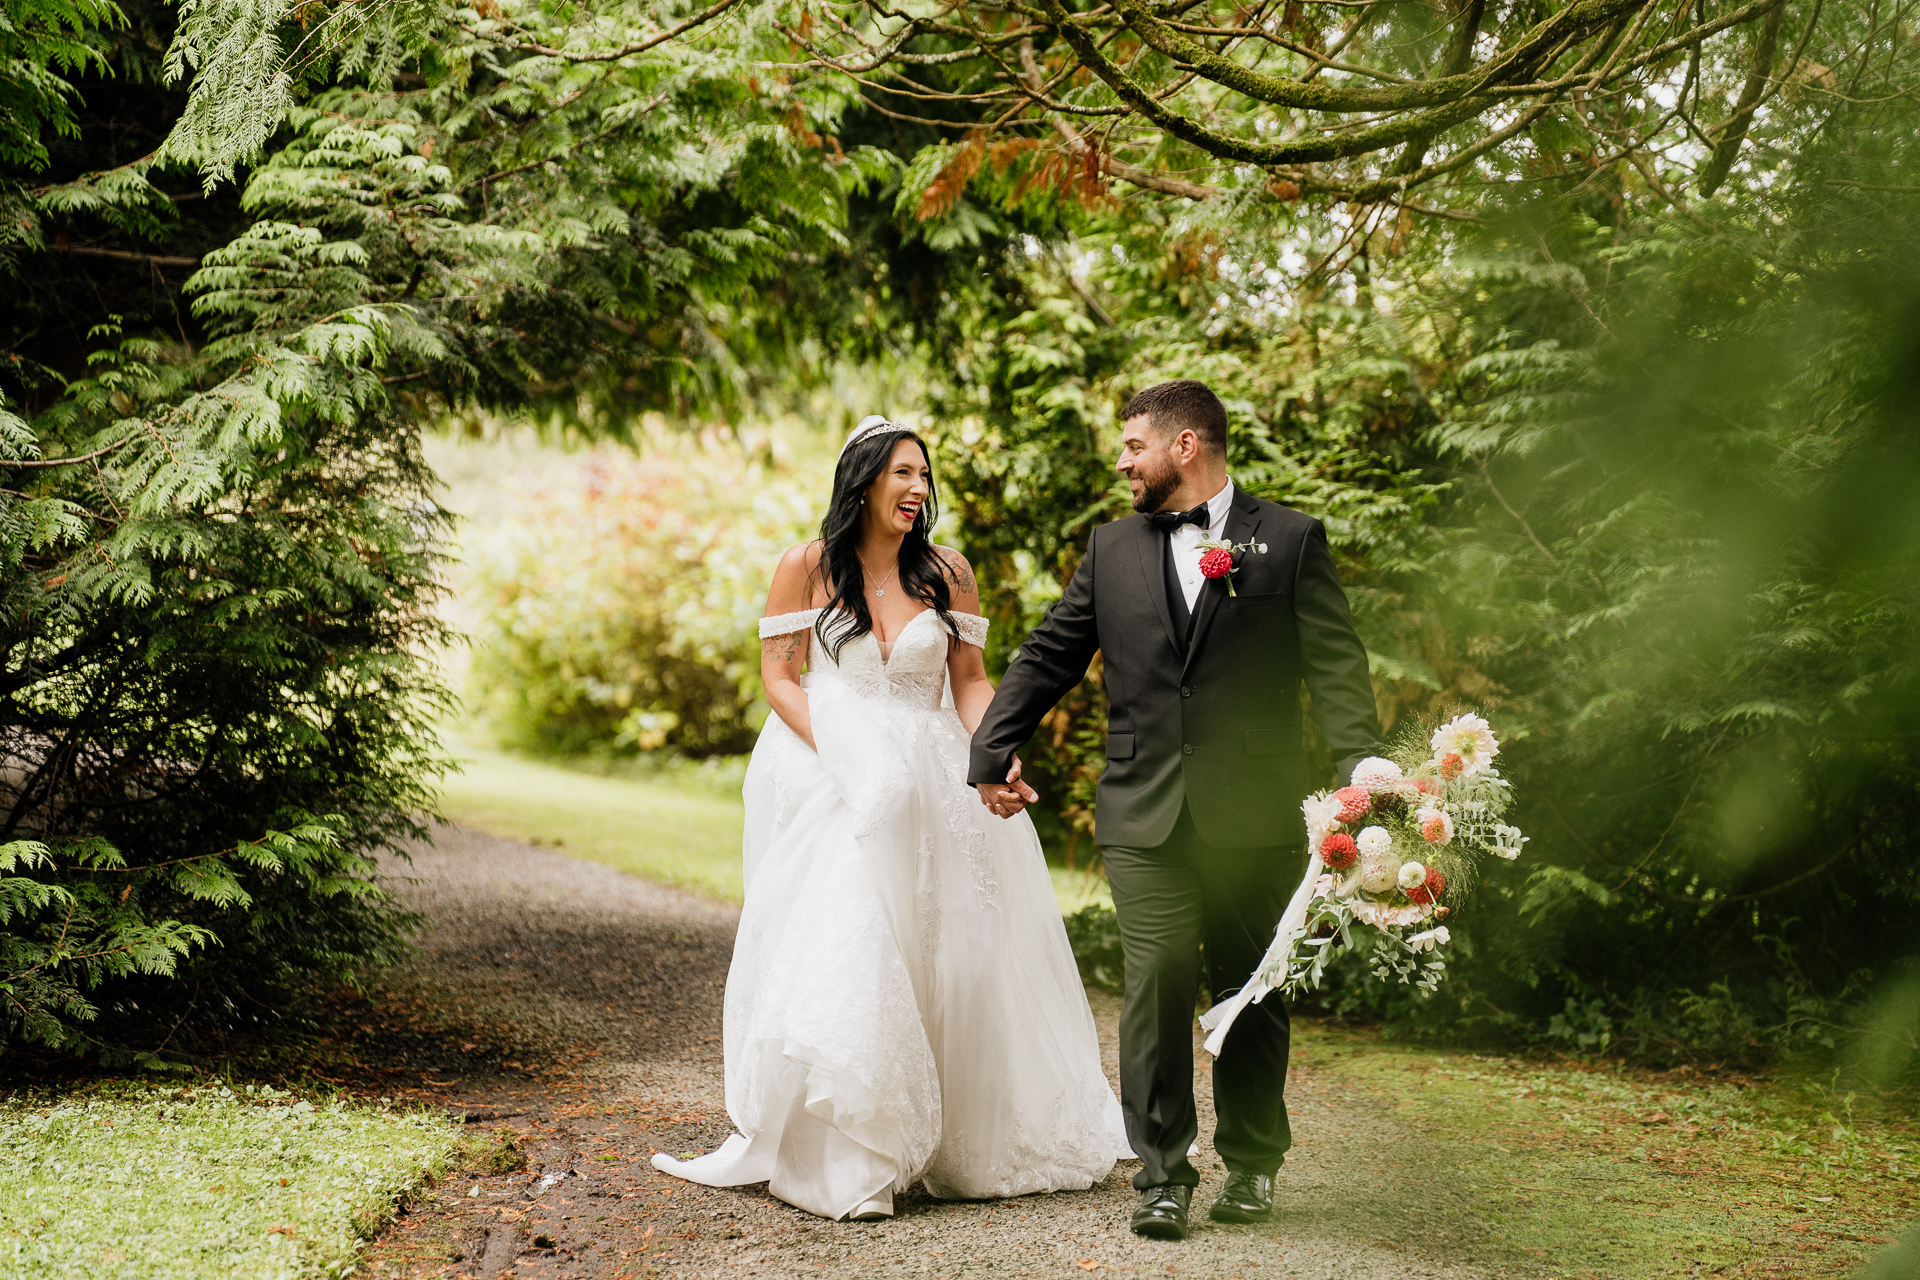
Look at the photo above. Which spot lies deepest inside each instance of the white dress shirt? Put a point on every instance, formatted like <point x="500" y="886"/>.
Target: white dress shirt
<point x="1187" y="539"/>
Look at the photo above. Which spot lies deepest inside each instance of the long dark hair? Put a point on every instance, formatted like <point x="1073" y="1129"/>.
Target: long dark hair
<point x="922" y="574"/>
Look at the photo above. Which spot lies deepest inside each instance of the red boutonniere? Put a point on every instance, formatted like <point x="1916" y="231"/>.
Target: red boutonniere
<point x="1219" y="562"/>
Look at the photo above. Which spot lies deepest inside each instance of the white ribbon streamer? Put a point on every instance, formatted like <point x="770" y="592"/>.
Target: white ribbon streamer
<point x="1218" y="1020"/>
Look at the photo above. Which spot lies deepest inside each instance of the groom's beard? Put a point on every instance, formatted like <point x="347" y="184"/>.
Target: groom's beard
<point x="1156" y="486"/>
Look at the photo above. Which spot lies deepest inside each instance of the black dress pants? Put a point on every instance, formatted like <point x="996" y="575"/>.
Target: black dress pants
<point x="1169" y="900"/>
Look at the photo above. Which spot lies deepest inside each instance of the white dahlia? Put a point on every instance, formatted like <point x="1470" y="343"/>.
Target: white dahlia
<point x="1379" y="868"/>
<point x="1322" y="813"/>
<point x="1470" y="738"/>
<point x="1376" y="774"/>
<point x="1412" y="875"/>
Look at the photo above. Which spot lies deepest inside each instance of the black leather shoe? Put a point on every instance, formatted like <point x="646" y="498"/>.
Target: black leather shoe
<point x="1162" y="1214"/>
<point x="1247" y="1197"/>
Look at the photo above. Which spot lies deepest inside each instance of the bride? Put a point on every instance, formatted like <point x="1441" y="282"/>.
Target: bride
<point x="903" y="1005"/>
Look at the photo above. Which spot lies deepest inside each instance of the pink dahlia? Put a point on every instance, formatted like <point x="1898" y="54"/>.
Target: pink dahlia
<point x="1355" y="803"/>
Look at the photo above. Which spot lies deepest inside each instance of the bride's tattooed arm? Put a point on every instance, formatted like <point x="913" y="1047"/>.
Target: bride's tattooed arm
<point x="783" y="658"/>
<point x="960" y="575"/>
<point x="784" y="648"/>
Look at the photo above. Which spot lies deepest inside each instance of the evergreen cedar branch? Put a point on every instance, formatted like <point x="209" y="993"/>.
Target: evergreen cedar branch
<point x="1582" y="52"/>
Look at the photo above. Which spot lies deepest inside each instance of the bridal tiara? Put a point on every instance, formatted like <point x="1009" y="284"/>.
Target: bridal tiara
<point x="871" y="425"/>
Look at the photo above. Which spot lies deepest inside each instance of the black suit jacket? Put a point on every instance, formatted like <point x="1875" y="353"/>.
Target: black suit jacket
<point x="1216" y="720"/>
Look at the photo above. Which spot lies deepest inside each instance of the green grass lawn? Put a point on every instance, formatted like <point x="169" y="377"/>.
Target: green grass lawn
<point x="186" y="1183"/>
<point x="1595" y="1170"/>
<point x="681" y="828"/>
<point x="676" y="829"/>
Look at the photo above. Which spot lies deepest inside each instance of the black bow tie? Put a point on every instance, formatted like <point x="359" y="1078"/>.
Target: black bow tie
<point x="1168" y="521"/>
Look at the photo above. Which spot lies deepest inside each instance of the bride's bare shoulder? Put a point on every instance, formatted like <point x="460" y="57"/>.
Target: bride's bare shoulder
<point x="797" y="581"/>
<point x="960" y="580"/>
<point x="804" y="556"/>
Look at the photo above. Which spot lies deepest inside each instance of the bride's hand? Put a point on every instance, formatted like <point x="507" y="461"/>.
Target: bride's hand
<point x="1006" y="801"/>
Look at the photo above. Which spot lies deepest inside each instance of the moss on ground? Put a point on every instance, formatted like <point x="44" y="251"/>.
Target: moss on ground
<point x="176" y="1183"/>
<point x="1594" y="1170"/>
<point x="429" y="1238"/>
<point x="489" y="1152"/>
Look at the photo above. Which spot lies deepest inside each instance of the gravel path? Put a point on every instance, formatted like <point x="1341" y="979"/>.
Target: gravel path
<point x="585" y="956"/>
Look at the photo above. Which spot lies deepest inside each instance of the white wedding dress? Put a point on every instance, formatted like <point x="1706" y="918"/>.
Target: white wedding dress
<point x="903" y="1004"/>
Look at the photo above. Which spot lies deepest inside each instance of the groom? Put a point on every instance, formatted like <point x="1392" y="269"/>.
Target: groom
<point x="1198" y="813"/>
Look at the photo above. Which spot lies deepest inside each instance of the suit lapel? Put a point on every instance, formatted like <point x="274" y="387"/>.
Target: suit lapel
<point x="1243" y="521"/>
<point x="1153" y="577"/>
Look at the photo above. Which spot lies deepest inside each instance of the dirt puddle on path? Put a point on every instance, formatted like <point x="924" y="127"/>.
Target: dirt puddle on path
<point x="585" y="956"/>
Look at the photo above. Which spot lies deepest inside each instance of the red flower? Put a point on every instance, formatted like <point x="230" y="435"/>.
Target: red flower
<point x="1217" y="563"/>
<point x="1450" y="765"/>
<point x="1339" y="851"/>
<point x="1436" y="884"/>
<point x="1355" y="803"/>
<point x="1427" y="785"/>
<point x="1441" y="913"/>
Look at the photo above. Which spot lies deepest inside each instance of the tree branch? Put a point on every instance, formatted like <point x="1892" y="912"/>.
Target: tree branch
<point x="61" y="462"/>
<point x="1732" y="133"/>
<point x="610" y="55"/>
<point x="122" y="255"/>
<point x="1146" y="178"/>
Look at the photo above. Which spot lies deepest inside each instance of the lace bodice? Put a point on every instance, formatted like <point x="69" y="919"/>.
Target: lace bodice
<point x="915" y="672"/>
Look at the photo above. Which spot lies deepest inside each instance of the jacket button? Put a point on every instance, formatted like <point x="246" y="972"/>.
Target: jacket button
<point x="1186" y="748"/>
<point x="1186" y="691"/>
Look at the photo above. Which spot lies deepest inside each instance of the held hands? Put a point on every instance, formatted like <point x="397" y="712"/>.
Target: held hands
<point x="1006" y="801"/>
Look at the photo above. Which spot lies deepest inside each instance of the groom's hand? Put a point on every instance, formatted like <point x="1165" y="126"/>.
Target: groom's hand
<point x="1010" y="799"/>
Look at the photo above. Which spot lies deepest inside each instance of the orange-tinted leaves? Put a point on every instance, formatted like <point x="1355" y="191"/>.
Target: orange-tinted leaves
<point x="950" y="183"/>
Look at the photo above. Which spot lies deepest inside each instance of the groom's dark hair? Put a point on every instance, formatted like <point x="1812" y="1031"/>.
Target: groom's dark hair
<point x="1185" y="404"/>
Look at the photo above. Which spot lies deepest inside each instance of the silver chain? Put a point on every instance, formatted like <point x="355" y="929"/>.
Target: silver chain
<point x="881" y="589"/>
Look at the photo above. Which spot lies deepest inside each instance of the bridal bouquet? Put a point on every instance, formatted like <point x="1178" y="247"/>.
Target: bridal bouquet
<point x="1391" y="857"/>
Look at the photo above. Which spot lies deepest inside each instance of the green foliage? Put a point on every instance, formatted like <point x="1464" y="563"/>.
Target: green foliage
<point x="42" y="44"/>
<point x="218" y="654"/>
<point x="221" y="545"/>
<point x="1710" y="646"/>
<point x="1094" y="934"/>
<point x="207" y="1181"/>
<point x="619" y="613"/>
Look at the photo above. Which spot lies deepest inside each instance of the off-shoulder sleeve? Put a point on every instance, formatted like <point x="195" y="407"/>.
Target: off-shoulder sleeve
<point x="971" y="628"/>
<point x="781" y="624"/>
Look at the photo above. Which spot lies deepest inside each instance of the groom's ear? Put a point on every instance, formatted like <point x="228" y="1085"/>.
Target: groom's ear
<point x="1185" y="445"/>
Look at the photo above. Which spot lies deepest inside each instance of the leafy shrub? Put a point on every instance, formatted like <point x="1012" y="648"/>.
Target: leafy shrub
<point x="211" y="726"/>
<point x="620" y="613"/>
<point x="1094" y="934"/>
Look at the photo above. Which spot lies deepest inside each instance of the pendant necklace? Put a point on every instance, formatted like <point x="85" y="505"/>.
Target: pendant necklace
<point x="880" y="590"/>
